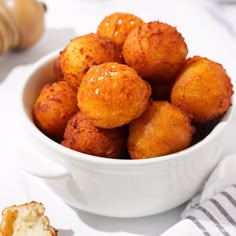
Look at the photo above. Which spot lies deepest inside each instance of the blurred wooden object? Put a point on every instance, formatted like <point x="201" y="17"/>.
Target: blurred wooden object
<point x="21" y="23"/>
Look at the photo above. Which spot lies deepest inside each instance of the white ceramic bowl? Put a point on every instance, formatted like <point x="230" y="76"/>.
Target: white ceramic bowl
<point x="110" y="187"/>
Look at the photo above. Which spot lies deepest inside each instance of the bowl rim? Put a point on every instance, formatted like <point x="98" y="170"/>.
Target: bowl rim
<point x="87" y="158"/>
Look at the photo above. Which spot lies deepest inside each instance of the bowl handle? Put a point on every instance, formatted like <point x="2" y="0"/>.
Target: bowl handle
<point x="41" y="167"/>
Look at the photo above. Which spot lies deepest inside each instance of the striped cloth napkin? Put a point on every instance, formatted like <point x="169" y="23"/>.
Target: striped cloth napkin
<point x="213" y="211"/>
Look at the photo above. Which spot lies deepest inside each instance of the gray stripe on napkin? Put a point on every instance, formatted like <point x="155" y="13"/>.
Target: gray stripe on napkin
<point x="213" y="219"/>
<point x="199" y="225"/>
<point x="229" y="197"/>
<point x="223" y="212"/>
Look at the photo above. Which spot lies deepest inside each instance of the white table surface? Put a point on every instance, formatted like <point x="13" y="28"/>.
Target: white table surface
<point x="209" y="28"/>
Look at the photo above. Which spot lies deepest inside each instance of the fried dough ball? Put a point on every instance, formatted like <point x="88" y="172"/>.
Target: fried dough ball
<point x="81" y="135"/>
<point x="85" y="51"/>
<point x="203" y="89"/>
<point x="156" y="50"/>
<point x="118" y="25"/>
<point x="162" y="129"/>
<point x="112" y="94"/>
<point x="54" y="106"/>
<point x="26" y="219"/>
<point x="57" y="69"/>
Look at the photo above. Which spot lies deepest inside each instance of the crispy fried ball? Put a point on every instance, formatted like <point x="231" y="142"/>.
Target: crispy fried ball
<point x="57" y="69"/>
<point x="112" y="94"/>
<point x="203" y="89"/>
<point x="118" y="25"/>
<point x="54" y="106"/>
<point x="85" y="51"/>
<point x="81" y="135"/>
<point x="26" y="219"/>
<point x="156" y="50"/>
<point x="162" y="129"/>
